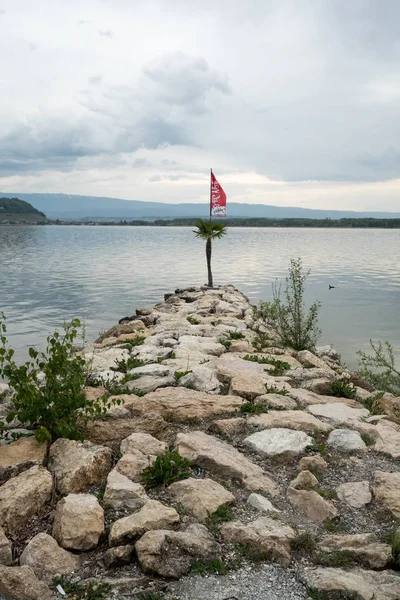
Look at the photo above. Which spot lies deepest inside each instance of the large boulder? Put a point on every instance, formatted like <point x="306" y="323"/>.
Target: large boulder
<point x="202" y="379"/>
<point x="153" y="515"/>
<point x="112" y="434"/>
<point x="312" y="504"/>
<point x="387" y="491"/>
<point x="21" y="583"/>
<point x="78" y="522"/>
<point x="170" y="553"/>
<point x="362" y="547"/>
<point x="247" y="385"/>
<point x="355" y="493"/>
<point x="5" y="549"/>
<point x="102" y="360"/>
<point x="47" y="559"/>
<point x="276" y="401"/>
<point x="145" y="443"/>
<point x="264" y="535"/>
<point x="149" y="383"/>
<point x="338" y="413"/>
<point x="308" y="359"/>
<point x="182" y="404"/>
<point x="121" y="492"/>
<point x="20" y="455"/>
<point x="357" y="583"/>
<point x="291" y="419"/>
<point x="391" y="407"/>
<point x="77" y="466"/>
<point x="221" y="458"/>
<point x="278" y="441"/>
<point x="261" y="503"/>
<point x="388" y="439"/>
<point x="201" y="496"/>
<point x="23" y="496"/>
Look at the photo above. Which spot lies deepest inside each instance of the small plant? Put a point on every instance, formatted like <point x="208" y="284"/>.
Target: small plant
<point x="316" y="448"/>
<point x="208" y="567"/>
<point x="235" y="335"/>
<point x="166" y="469"/>
<point x="303" y="542"/>
<point x="262" y="340"/>
<point x="49" y="388"/>
<point x="373" y="403"/>
<point x="380" y="368"/>
<point x="125" y="365"/>
<point x="226" y="343"/>
<point x="88" y="591"/>
<point x="294" y="327"/>
<point x="335" y="559"/>
<point x="253" y="554"/>
<point x="315" y="594"/>
<point x="267" y="311"/>
<point x="252" y="408"/>
<point x="334" y="526"/>
<point x="341" y="389"/>
<point x="193" y="320"/>
<point x="221" y="515"/>
<point x="179" y="374"/>
<point x="274" y="390"/>
<point x="326" y="493"/>
<point x="395" y="543"/>
<point x="137" y="341"/>
<point x="368" y="439"/>
<point x="280" y="365"/>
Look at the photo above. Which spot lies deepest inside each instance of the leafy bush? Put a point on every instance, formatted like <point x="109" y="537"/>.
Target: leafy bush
<point x="226" y="343"/>
<point x="294" y="327"/>
<point x="267" y="311"/>
<point x="341" y="389"/>
<point x="126" y="364"/>
<point x="166" y="469"/>
<point x="380" y="369"/>
<point x="49" y="388"/>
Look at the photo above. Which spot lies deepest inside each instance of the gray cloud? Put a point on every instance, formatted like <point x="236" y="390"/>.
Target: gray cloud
<point x="95" y="79"/>
<point x="154" y="178"/>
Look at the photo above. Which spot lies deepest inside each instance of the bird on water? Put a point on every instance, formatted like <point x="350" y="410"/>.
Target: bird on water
<point x="331" y="287"/>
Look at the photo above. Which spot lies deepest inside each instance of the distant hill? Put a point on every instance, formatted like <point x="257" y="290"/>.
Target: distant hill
<point x="15" y="210"/>
<point x="72" y="207"/>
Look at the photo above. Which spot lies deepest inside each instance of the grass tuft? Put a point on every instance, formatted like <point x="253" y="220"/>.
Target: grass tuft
<point x="235" y="335"/>
<point x="341" y="389"/>
<point x="303" y="542"/>
<point x="208" y="567"/>
<point x="88" y="591"/>
<point x="254" y="409"/>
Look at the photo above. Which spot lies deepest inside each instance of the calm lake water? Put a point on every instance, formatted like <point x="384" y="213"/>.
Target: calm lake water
<point x="100" y="274"/>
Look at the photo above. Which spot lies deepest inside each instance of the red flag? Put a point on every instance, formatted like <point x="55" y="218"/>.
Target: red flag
<point x="217" y="199"/>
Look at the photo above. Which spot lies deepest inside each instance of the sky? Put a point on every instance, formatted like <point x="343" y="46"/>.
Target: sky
<point x="291" y="102"/>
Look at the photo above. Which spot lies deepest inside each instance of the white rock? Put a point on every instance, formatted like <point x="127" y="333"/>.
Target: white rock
<point x="339" y="413"/>
<point x="355" y="493"/>
<point x="277" y="441"/>
<point x="345" y="440"/>
<point x="202" y="379"/>
<point x="261" y="503"/>
<point x="144" y="442"/>
<point x="121" y="492"/>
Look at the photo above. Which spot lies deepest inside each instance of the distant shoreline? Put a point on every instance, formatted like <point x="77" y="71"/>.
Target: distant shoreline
<point x="345" y="223"/>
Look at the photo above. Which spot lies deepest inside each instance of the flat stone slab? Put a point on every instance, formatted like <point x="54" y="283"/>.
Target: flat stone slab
<point x="312" y="505"/>
<point x="339" y="413"/>
<point x="278" y="441"/>
<point x="223" y="459"/>
<point x="201" y="496"/>
<point x="181" y="404"/>
<point x="292" y="419"/>
<point x="387" y="491"/>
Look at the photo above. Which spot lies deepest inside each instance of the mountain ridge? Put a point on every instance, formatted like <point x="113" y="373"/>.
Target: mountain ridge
<point x="81" y="207"/>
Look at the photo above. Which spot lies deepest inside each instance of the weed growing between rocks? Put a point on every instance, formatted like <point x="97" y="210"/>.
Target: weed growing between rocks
<point x="49" y="388"/>
<point x="179" y="374"/>
<point x="78" y="591"/>
<point x="166" y="469"/>
<point x="280" y="365"/>
<point x="252" y="408"/>
<point x="271" y="389"/>
<point x="235" y="335"/>
<point x="373" y="403"/>
<point x="125" y="365"/>
<point x="304" y="542"/>
<point x="368" y="439"/>
<point x="341" y="389"/>
<point x="137" y="341"/>
<point x="208" y="567"/>
<point x="226" y="343"/>
<point x="193" y="320"/>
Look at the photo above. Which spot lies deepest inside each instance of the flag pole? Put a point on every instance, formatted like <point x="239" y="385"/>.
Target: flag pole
<point x="210" y="192"/>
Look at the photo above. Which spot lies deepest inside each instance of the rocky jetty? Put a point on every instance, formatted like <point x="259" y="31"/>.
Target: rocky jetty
<point x="289" y="491"/>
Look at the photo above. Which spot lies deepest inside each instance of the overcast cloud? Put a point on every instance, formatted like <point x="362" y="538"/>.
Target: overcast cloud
<point x="292" y="102"/>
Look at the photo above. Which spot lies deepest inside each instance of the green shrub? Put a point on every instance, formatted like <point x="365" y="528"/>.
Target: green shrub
<point x="303" y="542"/>
<point x="395" y="543"/>
<point x="126" y="364"/>
<point x="373" y="403"/>
<point x="166" y="469"/>
<point x="137" y="341"/>
<point x="295" y="328"/>
<point x="380" y="369"/>
<point x="193" y="320"/>
<point x="262" y="340"/>
<point x="271" y="389"/>
<point x="341" y="389"/>
<point x="266" y="311"/>
<point x="235" y="335"/>
<point x="208" y="567"/>
<point x="49" y="387"/>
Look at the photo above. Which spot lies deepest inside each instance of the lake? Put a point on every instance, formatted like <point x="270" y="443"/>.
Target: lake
<point x="49" y="274"/>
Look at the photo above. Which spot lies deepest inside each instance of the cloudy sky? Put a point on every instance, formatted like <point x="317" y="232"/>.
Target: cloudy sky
<point x="292" y="102"/>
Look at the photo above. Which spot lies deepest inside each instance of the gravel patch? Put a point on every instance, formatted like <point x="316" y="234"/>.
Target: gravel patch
<point x="268" y="582"/>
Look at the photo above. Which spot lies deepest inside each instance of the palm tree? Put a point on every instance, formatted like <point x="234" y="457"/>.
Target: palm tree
<point x="207" y="230"/>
